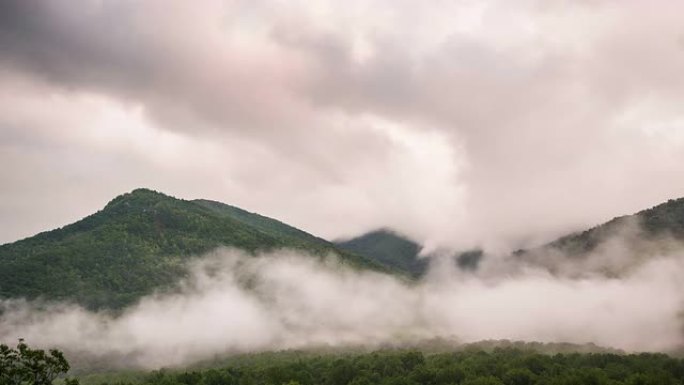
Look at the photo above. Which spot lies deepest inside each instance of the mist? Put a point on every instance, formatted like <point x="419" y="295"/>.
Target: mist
<point x="233" y="302"/>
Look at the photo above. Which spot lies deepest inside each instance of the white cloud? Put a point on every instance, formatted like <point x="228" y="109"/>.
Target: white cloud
<point x="236" y="303"/>
<point x="463" y="124"/>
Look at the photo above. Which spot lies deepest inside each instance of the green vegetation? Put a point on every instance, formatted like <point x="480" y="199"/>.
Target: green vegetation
<point x="500" y="366"/>
<point x="140" y="242"/>
<point x="666" y="219"/>
<point x="397" y="252"/>
<point x="390" y="249"/>
<point x="265" y="224"/>
<point x="26" y="366"/>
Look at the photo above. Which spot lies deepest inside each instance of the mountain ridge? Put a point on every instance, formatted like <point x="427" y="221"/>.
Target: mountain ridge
<point x="662" y="220"/>
<point x="647" y="227"/>
<point x="397" y="251"/>
<point x="390" y="248"/>
<point x="139" y="242"/>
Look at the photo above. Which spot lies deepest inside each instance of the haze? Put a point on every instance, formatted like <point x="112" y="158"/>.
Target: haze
<point x="235" y="303"/>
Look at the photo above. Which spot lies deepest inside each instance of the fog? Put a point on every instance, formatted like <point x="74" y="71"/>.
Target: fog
<point x="470" y="124"/>
<point x="233" y="302"/>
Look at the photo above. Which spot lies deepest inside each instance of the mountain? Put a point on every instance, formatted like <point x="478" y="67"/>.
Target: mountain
<point x="659" y="229"/>
<point x="398" y="252"/>
<point x="390" y="249"/>
<point x="260" y="222"/>
<point x="616" y="247"/>
<point x="139" y="242"/>
<point x="646" y="226"/>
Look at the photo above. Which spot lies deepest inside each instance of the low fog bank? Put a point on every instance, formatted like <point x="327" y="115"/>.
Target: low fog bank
<point x="234" y="303"/>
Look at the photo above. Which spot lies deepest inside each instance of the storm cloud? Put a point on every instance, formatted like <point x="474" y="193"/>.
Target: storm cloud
<point x="462" y="124"/>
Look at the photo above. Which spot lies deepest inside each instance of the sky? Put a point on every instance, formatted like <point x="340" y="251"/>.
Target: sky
<point x="489" y="123"/>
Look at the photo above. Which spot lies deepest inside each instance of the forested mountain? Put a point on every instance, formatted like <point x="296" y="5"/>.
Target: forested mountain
<point x="648" y="231"/>
<point x="388" y="248"/>
<point x="641" y="230"/>
<point x="260" y="222"/>
<point x="398" y="252"/>
<point x="139" y="242"/>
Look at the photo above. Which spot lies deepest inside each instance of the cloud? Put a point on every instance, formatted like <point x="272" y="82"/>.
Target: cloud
<point x="234" y="303"/>
<point x="461" y="124"/>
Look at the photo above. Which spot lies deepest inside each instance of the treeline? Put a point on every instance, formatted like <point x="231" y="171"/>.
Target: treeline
<point x="501" y="366"/>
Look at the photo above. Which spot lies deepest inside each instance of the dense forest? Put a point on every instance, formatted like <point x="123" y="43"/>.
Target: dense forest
<point x="138" y="243"/>
<point x="500" y="366"/>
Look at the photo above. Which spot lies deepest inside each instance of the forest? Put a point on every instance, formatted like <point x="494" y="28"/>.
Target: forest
<point x="140" y="242"/>
<point x="499" y="366"/>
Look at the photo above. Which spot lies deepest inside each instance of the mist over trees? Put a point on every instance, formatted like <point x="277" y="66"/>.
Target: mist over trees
<point x="252" y="298"/>
<point x="448" y="171"/>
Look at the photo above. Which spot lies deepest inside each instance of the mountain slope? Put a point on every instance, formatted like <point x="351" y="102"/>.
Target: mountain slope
<point x="260" y="222"/>
<point x="615" y="248"/>
<point x="657" y="230"/>
<point x="139" y="242"/>
<point x="398" y="252"/>
<point x="663" y="220"/>
<point x="390" y="249"/>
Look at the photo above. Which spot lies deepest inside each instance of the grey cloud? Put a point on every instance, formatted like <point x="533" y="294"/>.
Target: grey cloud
<point x="536" y="120"/>
<point x="548" y="123"/>
<point x="143" y="51"/>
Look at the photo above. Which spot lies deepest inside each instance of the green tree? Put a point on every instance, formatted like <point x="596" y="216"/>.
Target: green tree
<point x="485" y="380"/>
<point x="25" y="366"/>
<point x="519" y="377"/>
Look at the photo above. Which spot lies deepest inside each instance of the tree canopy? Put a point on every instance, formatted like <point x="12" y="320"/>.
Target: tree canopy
<point x="500" y="366"/>
<point x="25" y="366"/>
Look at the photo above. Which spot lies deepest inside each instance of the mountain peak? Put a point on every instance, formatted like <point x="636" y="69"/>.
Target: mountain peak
<point x="390" y="248"/>
<point x="140" y="198"/>
<point x="388" y="232"/>
<point x="145" y="191"/>
<point x="140" y="242"/>
<point x="139" y="193"/>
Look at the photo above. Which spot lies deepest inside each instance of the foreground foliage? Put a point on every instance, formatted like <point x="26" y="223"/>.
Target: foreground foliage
<point x="26" y="366"/>
<point x="502" y="366"/>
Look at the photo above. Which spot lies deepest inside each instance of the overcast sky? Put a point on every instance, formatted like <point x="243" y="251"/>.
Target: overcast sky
<point x="460" y="123"/>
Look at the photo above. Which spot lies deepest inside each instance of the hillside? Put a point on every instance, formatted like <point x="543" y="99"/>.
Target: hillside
<point x="663" y="220"/>
<point x="260" y="222"/>
<point x="398" y="252"/>
<point x="140" y="241"/>
<point x="641" y="233"/>
<point x="390" y="249"/>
